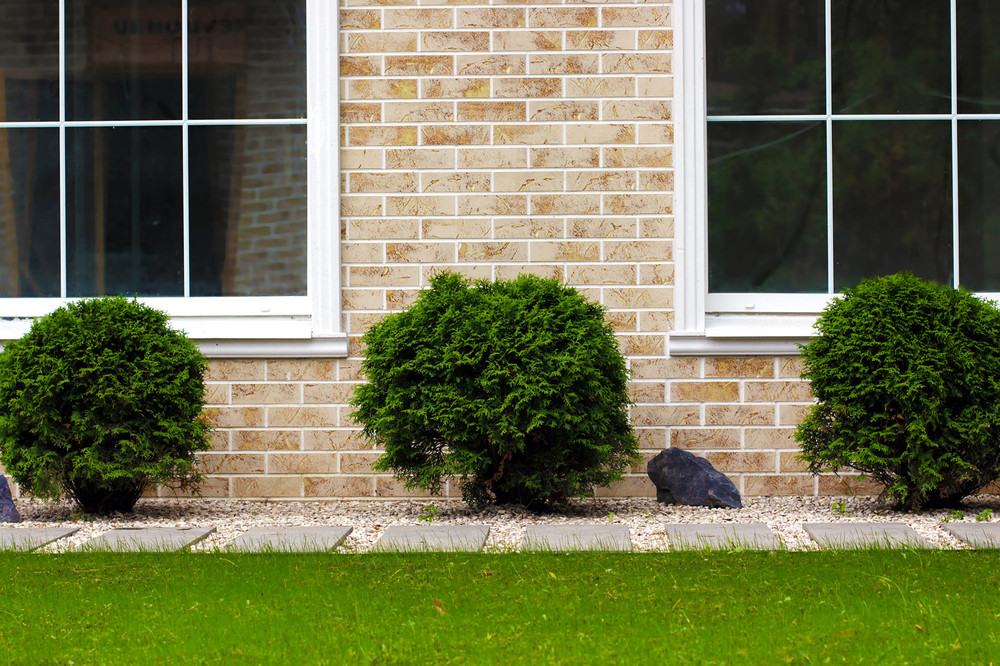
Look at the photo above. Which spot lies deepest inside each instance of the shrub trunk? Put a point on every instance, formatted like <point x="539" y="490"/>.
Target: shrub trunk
<point x="106" y="497"/>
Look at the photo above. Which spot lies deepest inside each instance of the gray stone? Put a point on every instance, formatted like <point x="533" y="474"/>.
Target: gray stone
<point x="749" y="536"/>
<point x="978" y="535"/>
<point x="290" y="539"/>
<point x="865" y="535"/>
<point x="406" y="538"/>
<point x="30" y="538"/>
<point x="577" y="537"/>
<point x="681" y="477"/>
<point x="8" y="512"/>
<point x="137" y="539"/>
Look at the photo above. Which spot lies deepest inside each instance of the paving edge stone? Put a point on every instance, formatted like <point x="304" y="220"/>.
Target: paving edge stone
<point x="864" y="535"/>
<point x="577" y="537"/>
<point x="981" y="536"/>
<point x="146" y="539"/>
<point x="296" y="539"/>
<point x="32" y="538"/>
<point x="418" y="538"/>
<point x="713" y="536"/>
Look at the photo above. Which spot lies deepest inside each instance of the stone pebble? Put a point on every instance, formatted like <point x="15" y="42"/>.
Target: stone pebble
<point x="644" y="517"/>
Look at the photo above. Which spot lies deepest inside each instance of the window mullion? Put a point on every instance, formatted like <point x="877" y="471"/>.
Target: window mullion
<point x="954" y="144"/>
<point x="63" y="289"/>
<point x="828" y="9"/>
<point x="185" y="147"/>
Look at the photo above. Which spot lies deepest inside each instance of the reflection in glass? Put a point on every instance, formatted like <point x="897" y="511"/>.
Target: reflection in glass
<point x="765" y="56"/>
<point x="979" y="203"/>
<point x="29" y="61"/>
<point x="892" y="207"/>
<point x="978" y="29"/>
<point x="248" y="59"/>
<point x="767" y="207"/>
<point x="123" y="60"/>
<point x="124" y="211"/>
<point x="891" y="56"/>
<point x="248" y="211"/>
<point x="29" y="212"/>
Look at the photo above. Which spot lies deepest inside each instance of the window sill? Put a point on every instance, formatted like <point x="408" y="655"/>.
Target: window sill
<point x="332" y="347"/>
<point x="745" y="335"/>
<point x="280" y="336"/>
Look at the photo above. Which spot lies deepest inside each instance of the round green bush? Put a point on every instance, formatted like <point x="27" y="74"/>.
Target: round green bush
<point x="907" y="378"/>
<point x="517" y="388"/>
<point x="98" y="400"/>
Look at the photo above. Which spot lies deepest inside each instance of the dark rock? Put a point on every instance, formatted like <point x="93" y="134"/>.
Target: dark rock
<point x="8" y="512"/>
<point x="681" y="477"/>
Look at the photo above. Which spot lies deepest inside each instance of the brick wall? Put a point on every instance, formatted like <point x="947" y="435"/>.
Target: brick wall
<point x="493" y="141"/>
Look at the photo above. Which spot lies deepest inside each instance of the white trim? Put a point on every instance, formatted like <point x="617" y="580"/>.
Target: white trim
<point x="690" y="172"/>
<point x="740" y="303"/>
<point x="955" y="235"/>
<point x="828" y="56"/>
<point x="43" y="124"/>
<point x="812" y="117"/>
<point x="63" y="202"/>
<point x="691" y="344"/>
<point x="204" y="306"/>
<point x="323" y="146"/>
<point x="185" y="153"/>
<point x="331" y="347"/>
<point x="746" y="335"/>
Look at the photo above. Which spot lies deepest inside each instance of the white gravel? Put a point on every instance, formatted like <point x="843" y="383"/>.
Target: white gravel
<point x="644" y="517"/>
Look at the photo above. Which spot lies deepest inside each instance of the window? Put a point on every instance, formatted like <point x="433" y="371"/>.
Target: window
<point x="839" y="140"/>
<point x="174" y="150"/>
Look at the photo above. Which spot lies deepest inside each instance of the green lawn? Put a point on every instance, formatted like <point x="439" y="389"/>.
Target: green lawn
<point x="700" y="607"/>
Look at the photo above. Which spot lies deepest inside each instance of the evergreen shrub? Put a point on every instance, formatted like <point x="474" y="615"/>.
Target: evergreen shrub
<point x="907" y="378"/>
<point x="98" y="400"/>
<point x="516" y="387"/>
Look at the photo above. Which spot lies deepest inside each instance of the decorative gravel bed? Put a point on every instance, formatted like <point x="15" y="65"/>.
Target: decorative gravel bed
<point x="644" y="517"/>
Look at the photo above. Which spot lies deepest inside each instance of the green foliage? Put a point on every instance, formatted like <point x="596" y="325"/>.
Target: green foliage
<point x="429" y="514"/>
<point x="952" y="516"/>
<point x="985" y="516"/>
<point x="907" y="377"/>
<point x="516" y="387"/>
<point x="98" y="400"/>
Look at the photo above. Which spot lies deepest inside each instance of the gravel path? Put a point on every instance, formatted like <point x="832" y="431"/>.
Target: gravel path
<point x="644" y="517"/>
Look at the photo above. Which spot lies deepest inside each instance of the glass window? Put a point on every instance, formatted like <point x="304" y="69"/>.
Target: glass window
<point x="848" y="139"/>
<point x="134" y="165"/>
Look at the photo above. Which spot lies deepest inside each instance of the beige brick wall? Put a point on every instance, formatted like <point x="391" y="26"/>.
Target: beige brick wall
<point x="496" y="140"/>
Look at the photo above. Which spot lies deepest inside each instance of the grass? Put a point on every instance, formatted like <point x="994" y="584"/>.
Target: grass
<point x="692" y="607"/>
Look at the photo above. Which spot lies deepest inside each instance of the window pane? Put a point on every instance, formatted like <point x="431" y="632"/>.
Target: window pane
<point x="29" y="212"/>
<point x="892" y="204"/>
<point x="29" y="61"/>
<point x="765" y="56"/>
<point x="979" y="203"/>
<point x="124" y="211"/>
<point x="248" y="210"/>
<point x="978" y="32"/>
<point x="767" y="207"/>
<point x="248" y="60"/>
<point x="123" y="60"/>
<point x="891" y="56"/>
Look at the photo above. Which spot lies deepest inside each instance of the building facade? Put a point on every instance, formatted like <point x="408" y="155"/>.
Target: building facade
<point x="280" y="175"/>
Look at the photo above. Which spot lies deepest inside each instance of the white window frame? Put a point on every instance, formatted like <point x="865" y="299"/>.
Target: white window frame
<point x="739" y="324"/>
<point x="252" y="327"/>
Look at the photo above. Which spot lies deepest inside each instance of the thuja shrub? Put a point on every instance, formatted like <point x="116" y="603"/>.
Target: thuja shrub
<point x="100" y="399"/>
<point x="907" y="378"/>
<point x="517" y="388"/>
